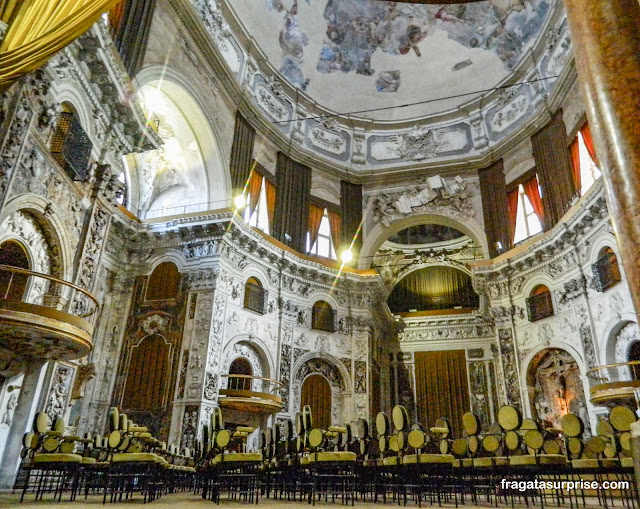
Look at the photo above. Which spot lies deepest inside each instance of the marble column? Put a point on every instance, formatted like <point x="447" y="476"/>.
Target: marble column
<point x="606" y="46"/>
<point x="19" y="425"/>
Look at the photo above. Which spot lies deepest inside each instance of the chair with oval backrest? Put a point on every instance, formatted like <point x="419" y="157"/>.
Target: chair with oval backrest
<point x="606" y="457"/>
<point x="231" y="468"/>
<point x="52" y="463"/>
<point x="332" y="470"/>
<point x="429" y="471"/>
<point x="535" y="465"/>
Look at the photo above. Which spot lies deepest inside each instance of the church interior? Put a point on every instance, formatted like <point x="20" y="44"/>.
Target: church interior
<point x="324" y="251"/>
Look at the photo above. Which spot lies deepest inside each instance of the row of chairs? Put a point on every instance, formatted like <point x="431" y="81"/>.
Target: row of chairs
<point x="388" y="459"/>
<point x="127" y="461"/>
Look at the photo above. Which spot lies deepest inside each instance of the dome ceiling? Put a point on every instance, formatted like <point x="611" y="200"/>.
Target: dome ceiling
<point x="376" y="86"/>
<point x="352" y="56"/>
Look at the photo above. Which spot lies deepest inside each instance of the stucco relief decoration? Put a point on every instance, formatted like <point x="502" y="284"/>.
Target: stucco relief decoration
<point x="189" y="427"/>
<point x="436" y="195"/>
<point x="248" y="352"/>
<point x="323" y="367"/>
<point x="21" y="226"/>
<point x="360" y="380"/>
<point x="628" y="335"/>
<point x="586" y="335"/>
<point x="509" y="363"/>
<point x="154" y="324"/>
<point x="285" y="374"/>
<point x="58" y="397"/>
<point x="479" y="390"/>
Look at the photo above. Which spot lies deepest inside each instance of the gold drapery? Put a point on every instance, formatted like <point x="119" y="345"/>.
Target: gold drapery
<point x="40" y="28"/>
<point x="441" y="387"/>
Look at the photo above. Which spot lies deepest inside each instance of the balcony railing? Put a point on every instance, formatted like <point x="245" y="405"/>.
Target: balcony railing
<point x="250" y="394"/>
<point x="614" y="382"/>
<point x="255" y="298"/>
<point x="606" y="272"/>
<point x="44" y="317"/>
<point x="71" y="146"/>
<point x="324" y="319"/>
<point x="539" y="306"/>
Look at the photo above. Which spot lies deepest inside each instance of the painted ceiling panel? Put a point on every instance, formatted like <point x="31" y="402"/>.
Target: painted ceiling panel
<point x="356" y="55"/>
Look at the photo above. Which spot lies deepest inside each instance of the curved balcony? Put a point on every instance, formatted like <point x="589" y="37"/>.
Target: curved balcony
<point x="251" y="394"/>
<point x="614" y="383"/>
<point x="42" y="318"/>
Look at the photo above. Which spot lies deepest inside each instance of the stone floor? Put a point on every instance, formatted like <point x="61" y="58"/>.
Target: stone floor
<point x="177" y="501"/>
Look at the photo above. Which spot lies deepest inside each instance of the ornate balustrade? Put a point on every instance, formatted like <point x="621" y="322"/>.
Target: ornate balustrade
<point x="614" y="383"/>
<point x="250" y="394"/>
<point x="42" y="318"/>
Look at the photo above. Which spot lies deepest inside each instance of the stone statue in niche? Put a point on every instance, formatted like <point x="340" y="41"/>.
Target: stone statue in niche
<point x="557" y="386"/>
<point x="7" y="416"/>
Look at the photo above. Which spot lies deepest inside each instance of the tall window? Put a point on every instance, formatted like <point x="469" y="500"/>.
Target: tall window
<point x="324" y="245"/>
<point x="527" y="222"/>
<point x="258" y="216"/>
<point x="589" y="172"/>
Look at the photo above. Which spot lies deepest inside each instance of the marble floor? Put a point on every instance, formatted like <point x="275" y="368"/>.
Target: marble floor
<point x="179" y="500"/>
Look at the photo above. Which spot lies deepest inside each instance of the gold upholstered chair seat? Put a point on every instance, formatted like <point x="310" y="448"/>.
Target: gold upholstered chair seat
<point x="490" y="461"/>
<point x="235" y="457"/>
<point x="141" y="457"/>
<point x="540" y="459"/>
<point x="463" y="462"/>
<point x="391" y="460"/>
<point x="57" y="458"/>
<point x="332" y="456"/>
<point x="595" y="463"/>
<point x="410" y="459"/>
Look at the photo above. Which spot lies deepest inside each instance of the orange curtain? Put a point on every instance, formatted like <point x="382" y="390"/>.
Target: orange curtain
<point x="442" y="387"/>
<point x="512" y="205"/>
<point x="270" y="191"/>
<point x="335" y="223"/>
<point x="40" y="28"/>
<point x="115" y="17"/>
<point x="575" y="163"/>
<point x="533" y="193"/>
<point x="315" y="218"/>
<point x="255" y="184"/>
<point x="588" y="141"/>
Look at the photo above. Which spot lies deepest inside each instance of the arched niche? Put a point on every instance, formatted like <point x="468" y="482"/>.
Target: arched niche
<point x="380" y="233"/>
<point x="317" y="363"/>
<point x="433" y="288"/>
<point x="555" y="387"/>
<point x="188" y="173"/>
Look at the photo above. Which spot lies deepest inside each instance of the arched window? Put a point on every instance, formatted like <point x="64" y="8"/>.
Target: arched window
<point x="539" y="303"/>
<point x="323" y="316"/>
<point x="606" y="271"/>
<point x="12" y="285"/>
<point x="164" y="282"/>
<point x="316" y="392"/>
<point x="240" y="366"/>
<point x="255" y="296"/>
<point x="70" y="145"/>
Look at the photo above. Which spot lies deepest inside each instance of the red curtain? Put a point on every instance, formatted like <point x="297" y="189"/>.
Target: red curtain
<point x="270" y="191"/>
<point x="335" y="223"/>
<point x="588" y="141"/>
<point x="533" y="193"/>
<point x="512" y="205"/>
<point x="575" y="163"/>
<point x="255" y="183"/>
<point x="315" y="218"/>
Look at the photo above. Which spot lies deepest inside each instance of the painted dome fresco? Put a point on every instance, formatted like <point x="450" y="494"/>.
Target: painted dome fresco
<point x="378" y="84"/>
<point x="357" y="55"/>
